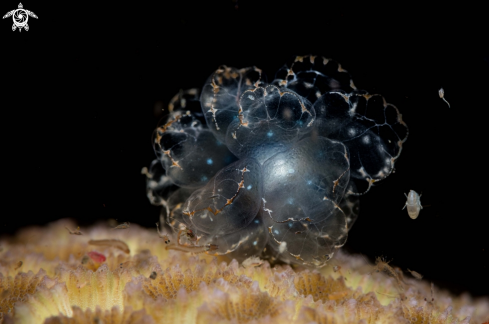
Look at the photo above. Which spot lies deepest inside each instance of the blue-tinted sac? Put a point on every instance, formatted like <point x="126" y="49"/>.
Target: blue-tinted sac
<point x="372" y="130"/>
<point x="310" y="76"/>
<point x="158" y="185"/>
<point x="271" y="170"/>
<point x="249" y="241"/>
<point x="230" y="201"/>
<point x="302" y="191"/>
<point x="270" y="120"/>
<point x="221" y="94"/>
<point x="190" y="154"/>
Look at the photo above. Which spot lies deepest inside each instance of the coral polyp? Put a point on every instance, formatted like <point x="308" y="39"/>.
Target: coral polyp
<point x="154" y="285"/>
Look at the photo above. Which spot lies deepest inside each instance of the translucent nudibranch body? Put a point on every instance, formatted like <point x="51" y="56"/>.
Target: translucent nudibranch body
<point x="272" y="170"/>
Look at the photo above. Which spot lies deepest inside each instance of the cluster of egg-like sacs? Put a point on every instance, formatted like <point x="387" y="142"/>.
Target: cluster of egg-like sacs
<point x="272" y="169"/>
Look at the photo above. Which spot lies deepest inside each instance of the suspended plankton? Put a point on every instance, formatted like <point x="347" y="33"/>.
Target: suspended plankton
<point x="413" y="204"/>
<point x="416" y="274"/>
<point x="441" y="92"/>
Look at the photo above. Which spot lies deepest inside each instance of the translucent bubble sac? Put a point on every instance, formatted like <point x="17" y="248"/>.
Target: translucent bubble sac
<point x="302" y="190"/>
<point x="350" y="205"/>
<point x="173" y="214"/>
<point x="311" y="76"/>
<point x="249" y="241"/>
<point x="190" y="154"/>
<point x="270" y="120"/>
<point x="158" y="185"/>
<point x="221" y="93"/>
<point x="372" y="130"/>
<point x="230" y="201"/>
<point x="275" y="171"/>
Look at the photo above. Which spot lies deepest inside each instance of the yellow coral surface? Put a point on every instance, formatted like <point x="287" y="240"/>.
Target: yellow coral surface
<point x="46" y="276"/>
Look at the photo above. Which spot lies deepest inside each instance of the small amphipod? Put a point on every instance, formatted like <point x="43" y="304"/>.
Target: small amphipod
<point x="416" y="274"/>
<point x="413" y="204"/>
<point x="441" y="93"/>
<point x="75" y="232"/>
<point x="122" y="226"/>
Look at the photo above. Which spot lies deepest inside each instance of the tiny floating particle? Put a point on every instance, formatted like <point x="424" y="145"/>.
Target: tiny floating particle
<point x="441" y="93"/>
<point x="415" y="274"/>
<point x="97" y="257"/>
<point x="118" y="244"/>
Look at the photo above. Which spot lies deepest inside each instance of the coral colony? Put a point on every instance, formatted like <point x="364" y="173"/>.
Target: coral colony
<point x="272" y="170"/>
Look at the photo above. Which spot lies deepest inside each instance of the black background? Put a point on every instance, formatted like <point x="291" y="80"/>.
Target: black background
<point x="82" y="90"/>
